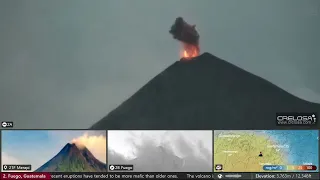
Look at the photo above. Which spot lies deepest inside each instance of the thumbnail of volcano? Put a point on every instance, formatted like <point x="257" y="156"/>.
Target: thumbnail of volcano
<point x="73" y="159"/>
<point x="205" y="92"/>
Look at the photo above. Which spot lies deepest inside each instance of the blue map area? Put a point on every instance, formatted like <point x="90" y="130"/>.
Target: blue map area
<point x="303" y="145"/>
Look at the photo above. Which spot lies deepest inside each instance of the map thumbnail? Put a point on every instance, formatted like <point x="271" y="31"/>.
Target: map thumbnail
<point x="266" y="150"/>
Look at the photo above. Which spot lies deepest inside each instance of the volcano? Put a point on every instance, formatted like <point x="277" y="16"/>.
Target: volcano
<point x="205" y="93"/>
<point x="73" y="159"/>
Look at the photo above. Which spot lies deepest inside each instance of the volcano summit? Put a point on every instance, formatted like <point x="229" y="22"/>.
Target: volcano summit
<point x="73" y="159"/>
<point x="205" y="93"/>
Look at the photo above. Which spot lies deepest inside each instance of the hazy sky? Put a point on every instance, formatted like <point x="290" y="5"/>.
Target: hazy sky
<point x="66" y="64"/>
<point x="21" y="147"/>
<point x="187" y="151"/>
<point x="123" y="142"/>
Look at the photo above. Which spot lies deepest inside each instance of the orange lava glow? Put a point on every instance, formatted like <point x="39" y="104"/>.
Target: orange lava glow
<point x="189" y="51"/>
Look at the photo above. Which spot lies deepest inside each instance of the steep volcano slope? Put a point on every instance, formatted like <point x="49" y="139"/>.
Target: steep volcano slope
<point x="73" y="159"/>
<point x="205" y="93"/>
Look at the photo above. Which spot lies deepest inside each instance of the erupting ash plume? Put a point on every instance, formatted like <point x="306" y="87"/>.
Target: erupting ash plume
<point x="97" y="144"/>
<point x="188" y="36"/>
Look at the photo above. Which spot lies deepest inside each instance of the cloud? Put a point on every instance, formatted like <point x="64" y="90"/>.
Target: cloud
<point x="307" y="94"/>
<point x="164" y="151"/>
<point x="7" y="159"/>
<point x="97" y="145"/>
<point x="45" y="144"/>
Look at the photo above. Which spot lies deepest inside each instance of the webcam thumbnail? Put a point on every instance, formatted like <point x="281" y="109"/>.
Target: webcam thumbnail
<point x="53" y="151"/>
<point x="161" y="151"/>
<point x="266" y="151"/>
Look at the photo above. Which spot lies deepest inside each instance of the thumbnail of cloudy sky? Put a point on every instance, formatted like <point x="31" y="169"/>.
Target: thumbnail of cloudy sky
<point x="161" y="151"/>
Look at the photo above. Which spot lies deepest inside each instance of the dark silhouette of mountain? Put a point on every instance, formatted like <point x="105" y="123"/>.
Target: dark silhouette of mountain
<point x="205" y="93"/>
<point x="73" y="159"/>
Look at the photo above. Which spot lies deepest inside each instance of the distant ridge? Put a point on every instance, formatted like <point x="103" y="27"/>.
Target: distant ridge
<point x="205" y="93"/>
<point x="73" y="159"/>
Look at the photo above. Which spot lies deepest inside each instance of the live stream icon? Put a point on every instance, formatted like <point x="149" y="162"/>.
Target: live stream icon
<point x="6" y="124"/>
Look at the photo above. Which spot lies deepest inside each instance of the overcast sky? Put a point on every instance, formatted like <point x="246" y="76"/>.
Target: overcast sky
<point x="66" y="64"/>
<point x="161" y="151"/>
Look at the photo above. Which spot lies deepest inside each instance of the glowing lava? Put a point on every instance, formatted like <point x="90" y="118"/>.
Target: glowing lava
<point x="189" y="51"/>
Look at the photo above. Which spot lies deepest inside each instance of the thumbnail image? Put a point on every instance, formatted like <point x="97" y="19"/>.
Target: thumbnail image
<point x="53" y="151"/>
<point x="266" y="151"/>
<point x="161" y="151"/>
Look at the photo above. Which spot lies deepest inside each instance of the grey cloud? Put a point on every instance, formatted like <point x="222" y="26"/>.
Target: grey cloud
<point x="161" y="158"/>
